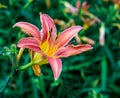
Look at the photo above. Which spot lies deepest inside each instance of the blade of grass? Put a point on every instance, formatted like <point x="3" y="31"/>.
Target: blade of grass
<point x="103" y="73"/>
<point x="110" y="56"/>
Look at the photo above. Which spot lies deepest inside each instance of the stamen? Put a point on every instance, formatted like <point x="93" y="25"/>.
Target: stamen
<point x="48" y="48"/>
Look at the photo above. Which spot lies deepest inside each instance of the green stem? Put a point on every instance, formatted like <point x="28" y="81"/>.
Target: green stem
<point x="7" y="81"/>
<point x="11" y="75"/>
<point x="25" y="66"/>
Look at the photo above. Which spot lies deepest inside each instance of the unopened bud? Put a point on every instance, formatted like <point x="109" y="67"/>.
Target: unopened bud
<point x="37" y="70"/>
<point x="102" y="34"/>
<point x="88" y="40"/>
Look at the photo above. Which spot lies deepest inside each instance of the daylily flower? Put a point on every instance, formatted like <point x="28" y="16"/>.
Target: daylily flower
<point x="2" y="6"/>
<point x="84" y="6"/>
<point x="88" y="22"/>
<point x="60" y="23"/>
<point x="116" y="4"/>
<point x="48" y="45"/>
<point x="63" y="25"/>
<point x="88" y="40"/>
<point x="74" y="10"/>
<point x="70" y="8"/>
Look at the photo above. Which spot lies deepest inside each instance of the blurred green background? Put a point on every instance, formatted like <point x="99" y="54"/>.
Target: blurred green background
<point x="93" y="74"/>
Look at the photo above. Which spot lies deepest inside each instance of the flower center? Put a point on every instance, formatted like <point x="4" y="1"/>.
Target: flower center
<point x="48" y="48"/>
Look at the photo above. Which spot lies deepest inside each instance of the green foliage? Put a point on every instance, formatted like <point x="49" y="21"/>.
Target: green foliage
<point x="93" y="74"/>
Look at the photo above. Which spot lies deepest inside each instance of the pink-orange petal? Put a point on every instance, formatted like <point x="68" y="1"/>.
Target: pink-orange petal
<point x="48" y="27"/>
<point x="67" y="35"/>
<point x="52" y="27"/>
<point x="73" y="50"/>
<point x="45" y="27"/>
<point x="56" y="65"/>
<point x="30" y="43"/>
<point x="29" y="29"/>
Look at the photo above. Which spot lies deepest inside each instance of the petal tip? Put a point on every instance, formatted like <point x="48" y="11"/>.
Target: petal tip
<point x="55" y="79"/>
<point x="79" y="27"/>
<point x="40" y="13"/>
<point x="14" y="25"/>
<point x="17" y="24"/>
<point x="56" y="65"/>
<point x="89" y="47"/>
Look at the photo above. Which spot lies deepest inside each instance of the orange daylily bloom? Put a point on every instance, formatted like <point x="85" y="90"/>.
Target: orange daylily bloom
<point x="48" y="45"/>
